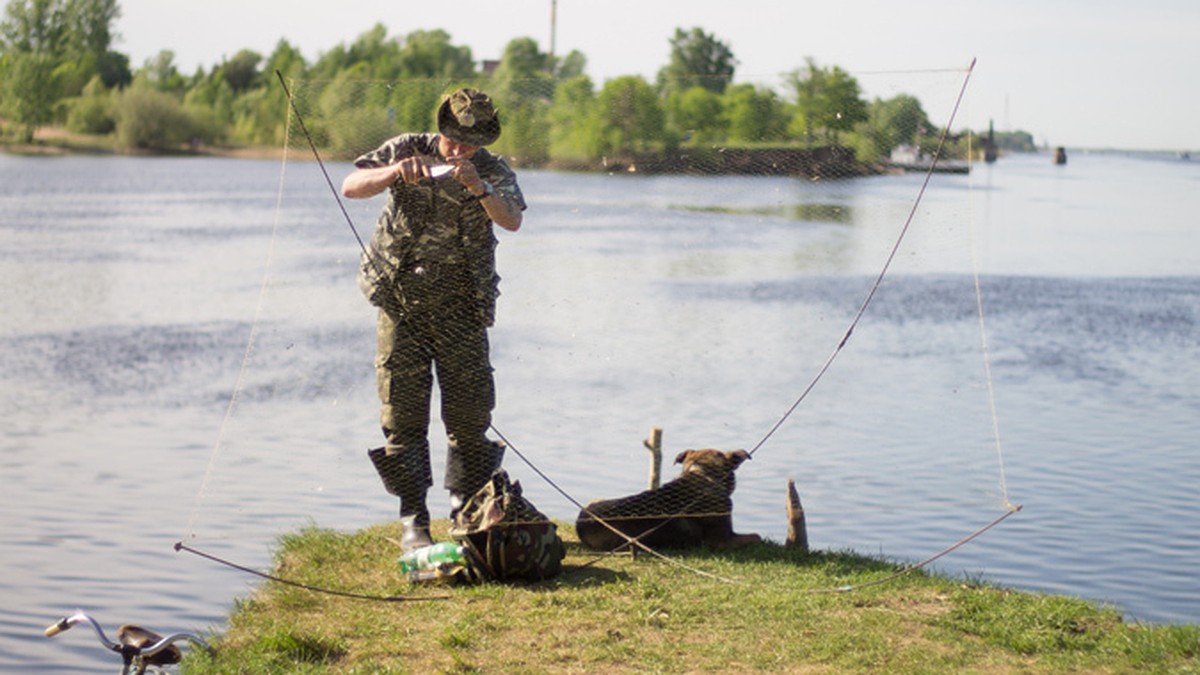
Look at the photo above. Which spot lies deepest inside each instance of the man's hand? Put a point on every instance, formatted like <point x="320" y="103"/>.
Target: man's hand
<point x="412" y="170"/>
<point x="368" y="182"/>
<point x="464" y="172"/>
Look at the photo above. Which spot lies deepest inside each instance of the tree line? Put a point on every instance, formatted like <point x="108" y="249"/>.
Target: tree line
<point x="58" y="68"/>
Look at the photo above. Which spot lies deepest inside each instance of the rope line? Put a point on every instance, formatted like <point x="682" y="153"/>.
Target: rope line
<point x="916" y="566"/>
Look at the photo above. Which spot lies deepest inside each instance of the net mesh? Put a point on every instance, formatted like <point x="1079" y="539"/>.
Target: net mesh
<point x="433" y="358"/>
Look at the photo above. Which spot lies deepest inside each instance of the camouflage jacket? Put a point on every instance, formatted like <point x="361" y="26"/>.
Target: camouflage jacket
<point x="438" y="221"/>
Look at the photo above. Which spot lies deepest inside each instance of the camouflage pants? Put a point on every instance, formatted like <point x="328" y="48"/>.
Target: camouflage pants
<point x="441" y="335"/>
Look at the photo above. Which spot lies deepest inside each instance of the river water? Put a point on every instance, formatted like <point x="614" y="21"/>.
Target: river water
<point x="185" y="357"/>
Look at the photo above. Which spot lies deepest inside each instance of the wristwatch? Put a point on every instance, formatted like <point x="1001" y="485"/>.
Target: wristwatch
<point x="488" y="191"/>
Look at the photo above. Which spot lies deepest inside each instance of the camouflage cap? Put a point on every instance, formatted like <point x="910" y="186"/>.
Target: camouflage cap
<point x="467" y="116"/>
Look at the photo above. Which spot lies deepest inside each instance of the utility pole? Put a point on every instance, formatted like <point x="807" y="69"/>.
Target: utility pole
<point x="553" y="27"/>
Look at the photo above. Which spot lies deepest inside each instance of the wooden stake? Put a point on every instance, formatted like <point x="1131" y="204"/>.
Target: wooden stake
<point x="797" y="536"/>
<point x="654" y="445"/>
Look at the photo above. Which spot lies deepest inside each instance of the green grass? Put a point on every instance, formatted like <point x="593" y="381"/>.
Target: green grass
<point x="763" y="608"/>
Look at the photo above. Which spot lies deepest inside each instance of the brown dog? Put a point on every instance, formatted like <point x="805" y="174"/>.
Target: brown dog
<point x="694" y="509"/>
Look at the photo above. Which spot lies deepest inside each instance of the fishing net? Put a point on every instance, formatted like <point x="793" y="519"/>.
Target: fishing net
<point x="419" y="366"/>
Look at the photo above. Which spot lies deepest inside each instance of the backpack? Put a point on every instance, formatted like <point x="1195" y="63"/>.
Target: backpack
<point x="507" y="536"/>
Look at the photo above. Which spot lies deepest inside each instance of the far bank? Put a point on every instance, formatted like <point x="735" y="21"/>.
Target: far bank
<point x="822" y="162"/>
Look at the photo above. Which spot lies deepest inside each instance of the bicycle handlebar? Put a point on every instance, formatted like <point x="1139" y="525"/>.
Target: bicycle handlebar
<point x="133" y="639"/>
<point x="68" y="622"/>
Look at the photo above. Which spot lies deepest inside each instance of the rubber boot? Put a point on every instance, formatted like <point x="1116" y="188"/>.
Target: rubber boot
<point x="414" y="530"/>
<point x="467" y="472"/>
<point x="406" y="481"/>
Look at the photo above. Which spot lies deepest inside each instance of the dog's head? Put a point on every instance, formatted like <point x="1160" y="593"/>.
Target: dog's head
<point x="711" y="463"/>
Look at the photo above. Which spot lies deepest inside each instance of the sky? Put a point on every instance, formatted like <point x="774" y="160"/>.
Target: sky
<point x="1077" y="73"/>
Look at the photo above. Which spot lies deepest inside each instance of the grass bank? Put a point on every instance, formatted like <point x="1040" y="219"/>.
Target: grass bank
<point x="763" y="608"/>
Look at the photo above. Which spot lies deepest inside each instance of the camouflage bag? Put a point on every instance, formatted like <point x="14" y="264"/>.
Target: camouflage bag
<point x="508" y="536"/>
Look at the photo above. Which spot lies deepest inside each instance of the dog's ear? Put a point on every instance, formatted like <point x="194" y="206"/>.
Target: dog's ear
<point x="682" y="457"/>
<point x="737" y="457"/>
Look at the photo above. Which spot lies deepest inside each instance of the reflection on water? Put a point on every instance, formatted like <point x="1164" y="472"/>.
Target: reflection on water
<point x="138" y="305"/>
<point x="811" y="213"/>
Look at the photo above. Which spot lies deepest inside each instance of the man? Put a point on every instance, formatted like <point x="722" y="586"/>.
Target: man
<point x="430" y="268"/>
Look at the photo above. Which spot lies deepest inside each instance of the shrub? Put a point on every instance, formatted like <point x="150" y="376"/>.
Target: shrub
<point x="148" y="119"/>
<point x="92" y="111"/>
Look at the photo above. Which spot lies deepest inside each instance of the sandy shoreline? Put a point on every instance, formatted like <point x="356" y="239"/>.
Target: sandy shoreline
<point x="54" y="141"/>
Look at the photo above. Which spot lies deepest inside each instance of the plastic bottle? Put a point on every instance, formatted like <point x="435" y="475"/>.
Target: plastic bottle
<point x="441" y="556"/>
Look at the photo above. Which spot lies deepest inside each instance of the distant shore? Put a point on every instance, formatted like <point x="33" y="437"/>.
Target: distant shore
<point x="818" y="162"/>
<point x="823" y="162"/>
<point x="53" y="141"/>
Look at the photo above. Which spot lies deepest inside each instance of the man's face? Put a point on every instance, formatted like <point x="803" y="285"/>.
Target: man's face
<point x="452" y="149"/>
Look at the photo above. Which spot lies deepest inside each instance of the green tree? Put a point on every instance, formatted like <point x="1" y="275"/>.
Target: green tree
<point x="35" y="27"/>
<point x="76" y="34"/>
<point x="29" y="91"/>
<point x="350" y="126"/>
<point x="575" y="133"/>
<point x="113" y="68"/>
<point x="287" y="60"/>
<point x="209" y="103"/>
<point x="890" y="123"/>
<point x="523" y="88"/>
<point x="53" y="48"/>
<point x="241" y="72"/>
<point x="160" y="73"/>
<point x="379" y="55"/>
<point x="89" y="25"/>
<point x="696" y="115"/>
<point x="92" y="111"/>
<point x="414" y="102"/>
<point x="524" y="71"/>
<point x="754" y="115"/>
<point x="89" y="41"/>
<point x="429" y="54"/>
<point x="260" y="114"/>
<point x="631" y="116"/>
<point x="697" y="59"/>
<point x="570" y="66"/>
<point x="259" y="117"/>
<point x="828" y="100"/>
<point x="395" y="85"/>
<point x="429" y="62"/>
<point x="903" y="116"/>
<point x="33" y="38"/>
